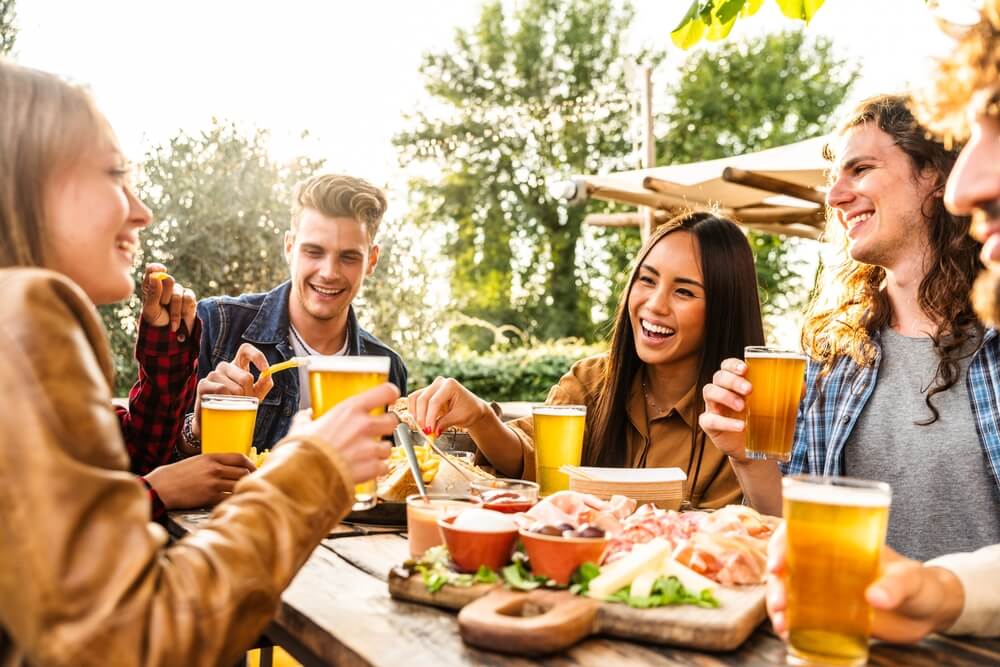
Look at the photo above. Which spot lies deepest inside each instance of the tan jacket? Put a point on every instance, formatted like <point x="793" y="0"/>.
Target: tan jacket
<point x="979" y="572"/>
<point x="85" y="578"/>
<point x="651" y="441"/>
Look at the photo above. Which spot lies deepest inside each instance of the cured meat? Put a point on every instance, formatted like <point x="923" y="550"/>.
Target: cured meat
<point x="577" y="509"/>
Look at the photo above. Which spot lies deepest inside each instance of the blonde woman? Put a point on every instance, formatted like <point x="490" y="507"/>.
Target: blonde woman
<point x="86" y="578"/>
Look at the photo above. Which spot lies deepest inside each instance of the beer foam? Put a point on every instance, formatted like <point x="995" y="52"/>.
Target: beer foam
<point x="560" y="410"/>
<point x="773" y="354"/>
<point x="225" y="402"/>
<point x="834" y="494"/>
<point x="345" y="364"/>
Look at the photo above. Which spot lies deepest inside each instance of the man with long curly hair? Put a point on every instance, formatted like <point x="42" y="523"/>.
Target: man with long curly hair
<point x="903" y="381"/>
<point x="957" y="593"/>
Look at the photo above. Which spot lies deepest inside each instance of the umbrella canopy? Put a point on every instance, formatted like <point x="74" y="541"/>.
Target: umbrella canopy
<point x="779" y="190"/>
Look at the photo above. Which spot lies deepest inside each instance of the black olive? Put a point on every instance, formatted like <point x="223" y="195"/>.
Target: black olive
<point x="548" y="529"/>
<point x="590" y="531"/>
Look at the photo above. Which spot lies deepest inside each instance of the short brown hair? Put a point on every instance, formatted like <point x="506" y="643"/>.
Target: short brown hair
<point x="970" y="74"/>
<point x="45" y="124"/>
<point x="339" y="196"/>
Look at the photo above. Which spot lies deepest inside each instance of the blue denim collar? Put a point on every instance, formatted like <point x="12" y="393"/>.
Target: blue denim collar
<point x="271" y="326"/>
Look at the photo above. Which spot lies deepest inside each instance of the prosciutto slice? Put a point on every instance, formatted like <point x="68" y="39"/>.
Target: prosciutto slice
<point x="576" y="509"/>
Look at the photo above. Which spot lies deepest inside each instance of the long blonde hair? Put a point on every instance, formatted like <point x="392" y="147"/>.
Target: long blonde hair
<point x="45" y="124"/>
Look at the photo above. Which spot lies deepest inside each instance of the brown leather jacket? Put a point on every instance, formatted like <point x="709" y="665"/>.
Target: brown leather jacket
<point x="85" y="578"/>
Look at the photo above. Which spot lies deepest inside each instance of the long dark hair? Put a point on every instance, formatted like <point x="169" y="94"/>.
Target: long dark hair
<point x="732" y="321"/>
<point x="850" y="306"/>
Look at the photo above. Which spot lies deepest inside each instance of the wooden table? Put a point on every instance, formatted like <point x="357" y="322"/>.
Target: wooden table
<point x="337" y="611"/>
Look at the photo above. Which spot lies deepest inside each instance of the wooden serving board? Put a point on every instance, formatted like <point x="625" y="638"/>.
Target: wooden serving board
<point x="546" y="621"/>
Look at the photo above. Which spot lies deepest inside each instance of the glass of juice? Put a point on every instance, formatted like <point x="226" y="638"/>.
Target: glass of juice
<point x="333" y="379"/>
<point x="422" y="513"/>
<point x="558" y="442"/>
<point x="772" y="407"/>
<point x="505" y="495"/>
<point x="836" y="529"/>
<point x="227" y="423"/>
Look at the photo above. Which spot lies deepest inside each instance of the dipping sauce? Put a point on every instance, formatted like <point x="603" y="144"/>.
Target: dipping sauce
<point x="505" y="495"/>
<point x="422" y="531"/>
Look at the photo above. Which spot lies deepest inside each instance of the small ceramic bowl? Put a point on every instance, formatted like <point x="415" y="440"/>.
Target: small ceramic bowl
<point x="558" y="557"/>
<point x="471" y="548"/>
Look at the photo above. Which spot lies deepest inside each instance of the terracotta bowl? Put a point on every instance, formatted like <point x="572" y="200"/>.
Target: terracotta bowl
<point x="558" y="557"/>
<point x="470" y="548"/>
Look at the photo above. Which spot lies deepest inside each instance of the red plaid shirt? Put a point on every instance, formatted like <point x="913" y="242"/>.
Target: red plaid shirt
<point x="168" y="378"/>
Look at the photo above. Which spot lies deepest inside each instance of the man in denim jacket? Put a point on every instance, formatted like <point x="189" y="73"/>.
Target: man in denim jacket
<point x="330" y="248"/>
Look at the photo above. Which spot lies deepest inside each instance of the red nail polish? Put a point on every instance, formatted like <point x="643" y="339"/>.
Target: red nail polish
<point x="427" y="430"/>
<point x="437" y="434"/>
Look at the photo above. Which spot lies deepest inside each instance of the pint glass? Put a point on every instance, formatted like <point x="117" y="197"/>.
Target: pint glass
<point x="836" y="529"/>
<point x="333" y="379"/>
<point x="558" y="442"/>
<point x="227" y="423"/>
<point x="771" y="408"/>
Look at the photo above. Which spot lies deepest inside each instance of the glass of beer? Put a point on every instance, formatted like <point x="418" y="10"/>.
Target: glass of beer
<point x="771" y="408"/>
<point x="335" y="378"/>
<point x="836" y="529"/>
<point x="227" y="423"/>
<point x="558" y="442"/>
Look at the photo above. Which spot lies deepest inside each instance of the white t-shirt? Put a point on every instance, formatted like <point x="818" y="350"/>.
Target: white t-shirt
<point x="302" y="349"/>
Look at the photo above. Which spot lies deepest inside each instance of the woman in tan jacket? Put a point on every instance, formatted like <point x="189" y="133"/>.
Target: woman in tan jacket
<point x="85" y="578"/>
<point x="690" y="301"/>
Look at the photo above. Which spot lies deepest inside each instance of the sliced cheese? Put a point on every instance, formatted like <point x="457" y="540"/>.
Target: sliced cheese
<point x="642" y="585"/>
<point x="622" y="573"/>
<point x="690" y="579"/>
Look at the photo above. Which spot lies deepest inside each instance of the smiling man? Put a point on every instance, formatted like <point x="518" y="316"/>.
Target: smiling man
<point x="902" y="378"/>
<point x="330" y="248"/>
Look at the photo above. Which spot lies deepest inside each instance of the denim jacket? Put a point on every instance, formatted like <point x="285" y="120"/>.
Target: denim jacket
<point x="262" y="321"/>
<point x="832" y="405"/>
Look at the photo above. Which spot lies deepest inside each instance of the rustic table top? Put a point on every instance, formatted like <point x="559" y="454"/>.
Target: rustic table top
<point x="337" y="611"/>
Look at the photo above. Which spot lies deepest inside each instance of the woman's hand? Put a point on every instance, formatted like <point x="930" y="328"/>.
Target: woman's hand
<point x="910" y="600"/>
<point x="445" y="403"/>
<point x="725" y="400"/>
<point x="354" y="433"/>
<point x="167" y="302"/>
<point x="199" y="481"/>
<point x="233" y="378"/>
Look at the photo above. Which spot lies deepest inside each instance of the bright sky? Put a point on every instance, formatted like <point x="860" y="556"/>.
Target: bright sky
<point x="347" y="71"/>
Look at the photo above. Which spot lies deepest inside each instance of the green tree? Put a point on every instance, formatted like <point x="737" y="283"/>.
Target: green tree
<point x="523" y="96"/>
<point x="220" y="207"/>
<point x="751" y="95"/>
<point x="8" y="31"/>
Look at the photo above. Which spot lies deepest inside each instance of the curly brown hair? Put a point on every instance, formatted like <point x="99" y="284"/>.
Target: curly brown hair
<point x="968" y="75"/>
<point x="851" y="306"/>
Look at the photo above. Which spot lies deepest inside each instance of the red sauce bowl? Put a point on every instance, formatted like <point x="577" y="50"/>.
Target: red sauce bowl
<point x="558" y="557"/>
<point x="470" y="548"/>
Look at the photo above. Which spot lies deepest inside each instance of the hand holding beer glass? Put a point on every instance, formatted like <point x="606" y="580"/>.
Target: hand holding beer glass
<point x="835" y="529"/>
<point x="335" y="378"/>
<point x="558" y="442"/>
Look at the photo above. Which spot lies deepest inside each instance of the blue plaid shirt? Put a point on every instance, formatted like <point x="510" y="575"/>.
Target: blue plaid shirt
<point x="826" y="418"/>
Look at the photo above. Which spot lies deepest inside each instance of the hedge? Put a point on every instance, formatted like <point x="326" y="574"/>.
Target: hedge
<point x="517" y="374"/>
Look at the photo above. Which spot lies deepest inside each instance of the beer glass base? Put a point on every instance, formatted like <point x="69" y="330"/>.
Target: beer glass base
<point x="761" y="456"/>
<point x="798" y="660"/>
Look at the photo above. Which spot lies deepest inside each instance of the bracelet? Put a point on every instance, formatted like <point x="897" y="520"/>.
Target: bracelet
<point x="191" y="442"/>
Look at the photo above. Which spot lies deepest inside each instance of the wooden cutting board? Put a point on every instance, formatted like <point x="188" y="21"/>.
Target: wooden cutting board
<point x="546" y="621"/>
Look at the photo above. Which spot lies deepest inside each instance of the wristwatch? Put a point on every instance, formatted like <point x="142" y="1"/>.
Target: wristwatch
<point x="191" y="442"/>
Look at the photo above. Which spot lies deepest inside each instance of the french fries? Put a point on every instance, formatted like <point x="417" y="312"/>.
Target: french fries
<point x="428" y="460"/>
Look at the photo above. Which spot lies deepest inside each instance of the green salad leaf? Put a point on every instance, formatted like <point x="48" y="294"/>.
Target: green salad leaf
<point x="579" y="583"/>
<point x="666" y="591"/>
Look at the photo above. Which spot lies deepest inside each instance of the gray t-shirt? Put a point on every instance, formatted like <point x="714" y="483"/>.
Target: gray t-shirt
<point x="944" y="498"/>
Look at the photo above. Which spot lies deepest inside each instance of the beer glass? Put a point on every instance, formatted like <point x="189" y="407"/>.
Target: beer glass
<point x="836" y="529"/>
<point x="772" y="406"/>
<point x="558" y="442"/>
<point x="227" y="423"/>
<point x="335" y="378"/>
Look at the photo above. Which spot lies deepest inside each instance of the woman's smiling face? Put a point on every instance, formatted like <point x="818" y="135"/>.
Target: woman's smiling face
<point x="666" y="303"/>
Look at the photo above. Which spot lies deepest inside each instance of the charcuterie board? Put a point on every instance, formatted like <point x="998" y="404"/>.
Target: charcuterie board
<point x="545" y="621"/>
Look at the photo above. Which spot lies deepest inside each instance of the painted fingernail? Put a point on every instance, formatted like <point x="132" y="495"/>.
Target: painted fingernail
<point x="437" y="434"/>
<point x="427" y="430"/>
